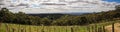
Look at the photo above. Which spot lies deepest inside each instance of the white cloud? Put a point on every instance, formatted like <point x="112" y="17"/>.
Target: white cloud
<point x="56" y="6"/>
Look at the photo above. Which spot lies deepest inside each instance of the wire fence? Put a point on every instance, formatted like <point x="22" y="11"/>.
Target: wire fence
<point x="28" y="28"/>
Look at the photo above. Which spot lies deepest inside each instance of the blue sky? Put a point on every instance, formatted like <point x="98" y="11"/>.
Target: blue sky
<point x="118" y="1"/>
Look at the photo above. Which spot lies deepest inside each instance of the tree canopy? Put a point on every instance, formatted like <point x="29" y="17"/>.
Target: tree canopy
<point x="21" y="18"/>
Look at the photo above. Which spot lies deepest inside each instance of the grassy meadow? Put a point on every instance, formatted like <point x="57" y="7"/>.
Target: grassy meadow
<point x="31" y="28"/>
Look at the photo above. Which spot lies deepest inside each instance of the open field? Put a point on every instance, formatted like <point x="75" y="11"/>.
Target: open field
<point x="30" y="28"/>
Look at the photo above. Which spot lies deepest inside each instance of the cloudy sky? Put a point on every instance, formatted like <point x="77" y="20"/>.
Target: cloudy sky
<point x="59" y="6"/>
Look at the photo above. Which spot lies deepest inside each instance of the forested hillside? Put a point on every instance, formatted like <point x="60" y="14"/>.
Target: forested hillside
<point x="21" y="18"/>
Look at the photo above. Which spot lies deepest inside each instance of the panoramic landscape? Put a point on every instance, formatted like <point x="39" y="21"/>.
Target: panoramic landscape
<point x="59" y="15"/>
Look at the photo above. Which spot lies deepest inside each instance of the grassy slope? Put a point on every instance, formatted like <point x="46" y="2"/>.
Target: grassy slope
<point x="17" y="28"/>
<point x="28" y="28"/>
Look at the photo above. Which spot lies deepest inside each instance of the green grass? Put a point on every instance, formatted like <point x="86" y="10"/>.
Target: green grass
<point x="28" y="28"/>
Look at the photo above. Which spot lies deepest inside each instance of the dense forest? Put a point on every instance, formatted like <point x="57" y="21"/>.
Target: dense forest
<point x="59" y="19"/>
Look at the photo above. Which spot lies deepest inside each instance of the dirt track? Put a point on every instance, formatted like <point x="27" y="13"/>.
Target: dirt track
<point x="117" y="27"/>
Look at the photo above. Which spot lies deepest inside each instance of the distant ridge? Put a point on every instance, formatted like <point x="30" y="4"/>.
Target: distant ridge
<point x="56" y="15"/>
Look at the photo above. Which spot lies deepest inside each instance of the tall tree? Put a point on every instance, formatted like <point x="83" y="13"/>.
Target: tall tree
<point x="117" y="8"/>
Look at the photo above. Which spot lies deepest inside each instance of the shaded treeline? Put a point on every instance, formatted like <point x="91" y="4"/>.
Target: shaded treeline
<point x="51" y="16"/>
<point x="21" y="18"/>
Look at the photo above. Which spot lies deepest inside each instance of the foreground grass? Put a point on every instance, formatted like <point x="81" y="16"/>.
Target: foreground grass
<point x="29" y="28"/>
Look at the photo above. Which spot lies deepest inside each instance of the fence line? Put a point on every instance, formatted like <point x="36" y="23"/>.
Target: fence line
<point x="93" y="28"/>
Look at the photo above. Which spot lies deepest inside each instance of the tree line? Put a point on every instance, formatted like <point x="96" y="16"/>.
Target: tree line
<point x="21" y="18"/>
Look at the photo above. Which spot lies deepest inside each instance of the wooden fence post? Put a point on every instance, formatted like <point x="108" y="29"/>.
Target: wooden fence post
<point x="66" y="28"/>
<point x="25" y="30"/>
<point x="37" y="29"/>
<point x="22" y="30"/>
<point x="104" y="29"/>
<point x="100" y="29"/>
<point x="42" y="30"/>
<point x="0" y="24"/>
<point x="88" y="29"/>
<point x="72" y="29"/>
<point x="7" y="29"/>
<point x="54" y="29"/>
<point x="92" y="28"/>
<point x="95" y="28"/>
<point x="13" y="29"/>
<point x="112" y="27"/>
<point x="19" y="28"/>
